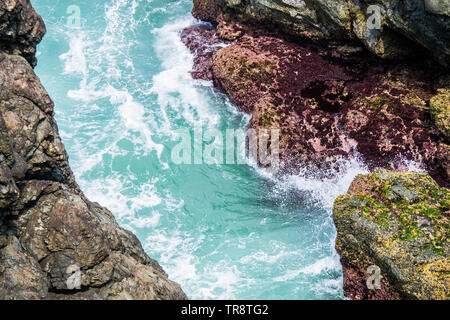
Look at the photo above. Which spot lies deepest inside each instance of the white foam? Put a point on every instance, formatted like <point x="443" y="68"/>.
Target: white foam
<point x="213" y="280"/>
<point x="176" y="92"/>
<point x="262" y="256"/>
<point x="322" y="191"/>
<point x="414" y="166"/>
<point x="113" y="194"/>
<point x="323" y="265"/>
<point x="75" y="60"/>
<point x="107" y="60"/>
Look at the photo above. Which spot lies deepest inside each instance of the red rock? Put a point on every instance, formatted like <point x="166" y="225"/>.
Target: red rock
<point x="328" y="106"/>
<point x="206" y="10"/>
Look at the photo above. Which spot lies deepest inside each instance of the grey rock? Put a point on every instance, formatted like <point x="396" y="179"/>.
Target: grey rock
<point x="388" y="28"/>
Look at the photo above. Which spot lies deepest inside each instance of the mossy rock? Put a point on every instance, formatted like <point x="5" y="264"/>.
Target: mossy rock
<point x="440" y="111"/>
<point x="400" y="222"/>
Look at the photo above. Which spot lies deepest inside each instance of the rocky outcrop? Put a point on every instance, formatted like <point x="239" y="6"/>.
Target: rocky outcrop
<point x="54" y="243"/>
<point x="202" y="40"/>
<point x="399" y="223"/>
<point x="206" y="10"/>
<point x="276" y="80"/>
<point x="440" y="111"/>
<point x="388" y="28"/>
<point x="329" y="106"/>
<point x="21" y="29"/>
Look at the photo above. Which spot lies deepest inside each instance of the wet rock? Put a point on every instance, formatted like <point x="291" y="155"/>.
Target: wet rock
<point x="443" y="158"/>
<point x="440" y="111"/>
<point x="393" y="123"/>
<point x="291" y="88"/>
<point x="54" y="243"/>
<point x="387" y="28"/>
<point x="203" y="42"/>
<point x="206" y="10"/>
<point x="397" y="222"/>
<point x="329" y="107"/>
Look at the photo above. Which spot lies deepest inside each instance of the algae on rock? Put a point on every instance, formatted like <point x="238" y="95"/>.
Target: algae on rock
<point x="398" y="221"/>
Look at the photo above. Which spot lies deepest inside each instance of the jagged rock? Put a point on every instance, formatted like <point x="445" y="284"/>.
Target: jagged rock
<point x="327" y="112"/>
<point x="203" y="41"/>
<point x="390" y="29"/>
<point x="398" y="222"/>
<point x="21" y="29"/>
<point x="21" y="276"/>
<point x="54" y="243"/>
<point x="206" y="10"/>
<point x="328" y="104"/>
<point x="275" y="80"/>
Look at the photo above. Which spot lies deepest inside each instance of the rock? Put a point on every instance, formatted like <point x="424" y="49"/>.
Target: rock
<point x="387" y="28"/>
<point x="54" y="243"/>
<point x="440" y="111"/>
<point x="21" y="29"/>
<point x="206" y="10"/>
<point x="21" y="276"/>
<point x="277" y="81"/>
<point x="443" y="157"/>
<point x="398" y="222"/>
<point x="328" y="107"/>
<point x="329" y="104"/>
<point x="203" y="42"/>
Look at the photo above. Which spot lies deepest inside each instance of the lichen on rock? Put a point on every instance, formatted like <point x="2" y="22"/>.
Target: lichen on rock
<point x="440" y="111"/>
<point x="398" y="221"/>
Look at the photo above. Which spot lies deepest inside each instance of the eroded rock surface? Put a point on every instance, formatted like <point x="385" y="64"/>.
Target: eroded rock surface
<point x="330" y="106"/>
<point x="21" y="28"/>
<point x="398" y="222"/>
<point x="388" y="28"/>
<point x="54" y="243"/>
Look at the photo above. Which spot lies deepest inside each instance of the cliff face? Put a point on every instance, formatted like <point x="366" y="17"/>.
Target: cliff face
<point x="390" y="30"/>
<point x="21" y="29"/>
<point x="54" y="243"/>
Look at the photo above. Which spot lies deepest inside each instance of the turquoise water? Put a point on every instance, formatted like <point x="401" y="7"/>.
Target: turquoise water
<point x="121" y="85"/>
